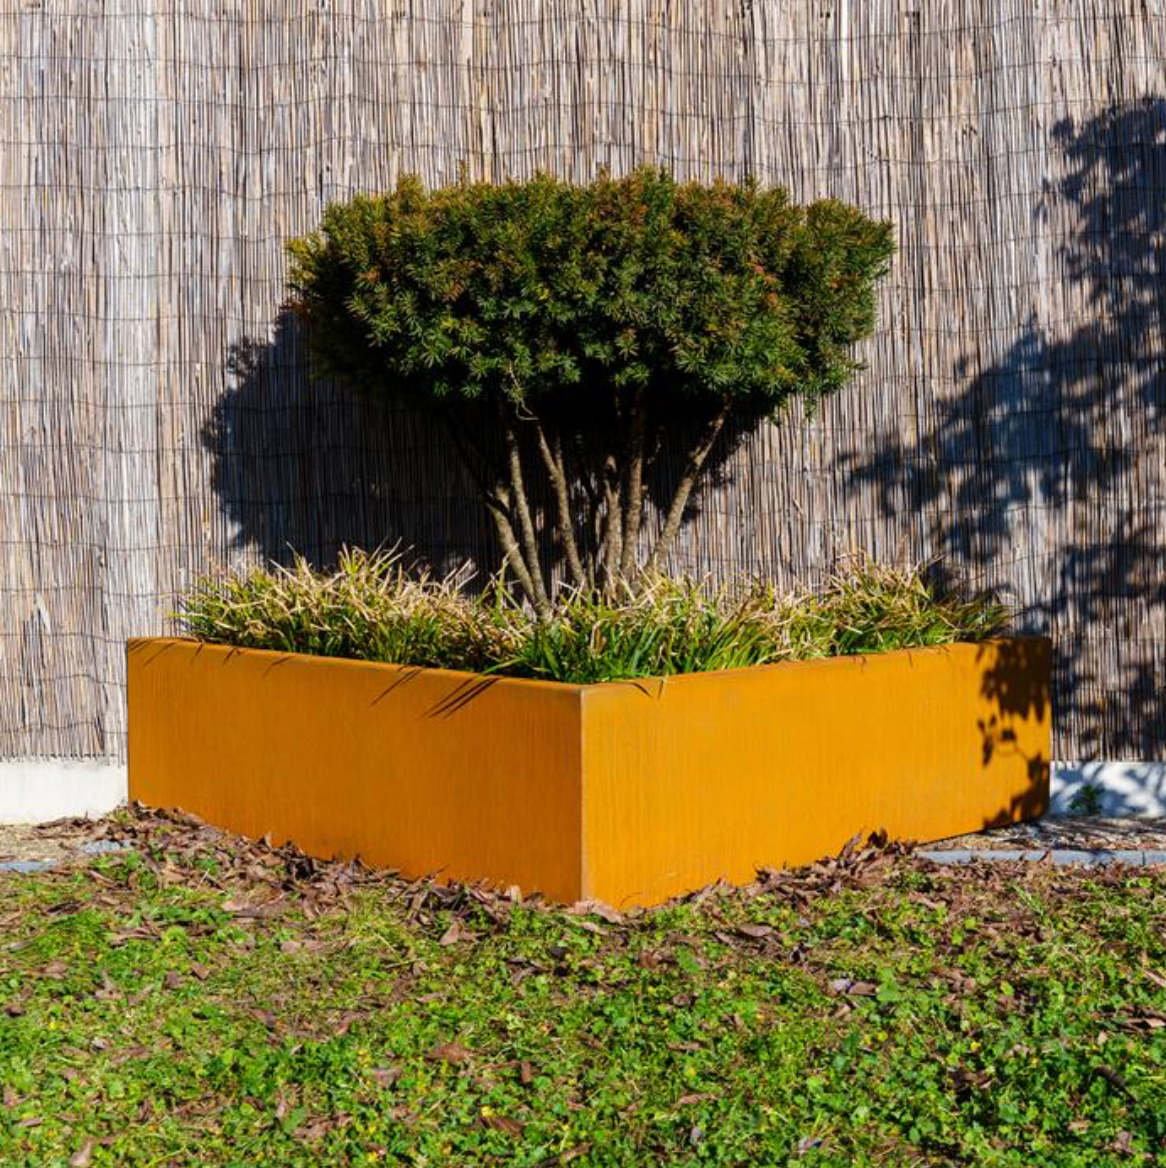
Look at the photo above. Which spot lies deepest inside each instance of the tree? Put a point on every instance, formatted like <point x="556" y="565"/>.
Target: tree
<point x="572" y="328"/>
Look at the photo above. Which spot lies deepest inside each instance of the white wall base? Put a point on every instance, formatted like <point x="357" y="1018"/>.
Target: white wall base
<point x="1124" y="789"/>
<point x="36" y="790"/>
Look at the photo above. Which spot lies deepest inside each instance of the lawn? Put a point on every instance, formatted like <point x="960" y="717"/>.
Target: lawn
<point x="201" y="1000"/>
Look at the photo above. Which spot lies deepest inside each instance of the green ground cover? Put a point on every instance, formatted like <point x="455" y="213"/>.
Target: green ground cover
<point x="206" y="1001"/>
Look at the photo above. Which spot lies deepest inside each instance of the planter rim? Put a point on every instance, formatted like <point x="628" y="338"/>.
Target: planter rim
<point x="137" y="644"/>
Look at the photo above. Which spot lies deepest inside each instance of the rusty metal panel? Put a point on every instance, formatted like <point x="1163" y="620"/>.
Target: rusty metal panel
<point x="425" y="771"/>
<point x="629" y="793"/>
<point x="689" y="779"/>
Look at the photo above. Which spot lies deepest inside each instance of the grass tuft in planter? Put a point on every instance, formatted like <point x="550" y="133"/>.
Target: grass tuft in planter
<point x="372" y="608"/>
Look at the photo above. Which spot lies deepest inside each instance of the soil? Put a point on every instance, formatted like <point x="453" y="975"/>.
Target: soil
<point x="58" y="842"/>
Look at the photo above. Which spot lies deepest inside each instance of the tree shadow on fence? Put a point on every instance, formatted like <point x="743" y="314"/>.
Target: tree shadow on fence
<point x="301" y="466"/>
<point x="1015" y="681"/>
<point x="1066" y="424"/>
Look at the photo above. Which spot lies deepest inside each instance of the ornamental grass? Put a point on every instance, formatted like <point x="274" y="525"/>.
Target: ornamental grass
<point x="373" y="606"/>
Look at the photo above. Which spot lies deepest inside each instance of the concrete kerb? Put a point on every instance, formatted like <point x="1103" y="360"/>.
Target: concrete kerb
<point x="1063" y="857"/>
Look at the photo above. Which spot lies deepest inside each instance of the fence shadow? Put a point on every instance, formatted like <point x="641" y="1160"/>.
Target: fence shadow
<point x="1064" y="423"/>
<point x="301" y="466"/>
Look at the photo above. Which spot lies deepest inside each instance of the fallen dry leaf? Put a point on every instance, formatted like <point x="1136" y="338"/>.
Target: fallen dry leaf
<point x="385" y="1076"/>
<point x="108" y="991"/>
<point x="83" y="1156"/>
<point x="450" y="1052"/>
<point x="255" y="912"/>
<point x="501" y="1123"/>
<point x="1123" y="1142"/>
<point x="755" y="931"/>
<point x="853" y="989"/>
<point x="597" y="908"/>
<point x="345" y="1021"/>
<point x="592" y="927"/>
<point x="454" y="934"/>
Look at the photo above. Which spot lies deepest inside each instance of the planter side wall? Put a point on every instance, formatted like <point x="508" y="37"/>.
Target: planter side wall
<point x="419" y="770"/>
<point x="713" y="775"/>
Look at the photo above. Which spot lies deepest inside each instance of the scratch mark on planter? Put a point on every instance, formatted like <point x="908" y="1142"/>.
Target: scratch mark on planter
<point x="407" y="674"/>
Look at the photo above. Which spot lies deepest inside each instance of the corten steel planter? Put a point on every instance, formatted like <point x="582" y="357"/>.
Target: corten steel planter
<point x="627" y="792"/>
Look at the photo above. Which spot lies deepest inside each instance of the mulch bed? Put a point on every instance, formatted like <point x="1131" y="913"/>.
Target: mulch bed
<point x="64" y="841"/>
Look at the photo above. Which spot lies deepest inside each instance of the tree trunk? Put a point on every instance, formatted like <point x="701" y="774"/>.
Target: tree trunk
<point x="633" y="501"/>
<point x="697" y="455"/>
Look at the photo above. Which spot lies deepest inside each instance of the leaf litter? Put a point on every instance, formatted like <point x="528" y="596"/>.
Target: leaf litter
<point x="874" y="932"/>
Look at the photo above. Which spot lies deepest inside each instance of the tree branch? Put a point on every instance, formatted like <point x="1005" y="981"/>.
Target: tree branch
<point x="499" y="512"/>
<point x="613" y="523"/>
<point x="494" y="495"/>
<point x="552" y="455"/>
<point x="696" y="460"/>
<point x="521" y="506"/>
<point x="633" y="495"/>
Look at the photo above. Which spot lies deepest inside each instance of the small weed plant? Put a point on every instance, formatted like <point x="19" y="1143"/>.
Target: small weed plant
<point x="371" y="607"/>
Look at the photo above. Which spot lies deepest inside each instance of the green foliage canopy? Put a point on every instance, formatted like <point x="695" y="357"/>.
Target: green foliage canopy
<point x="534" y="288"/>
<point x="626" y="301"/>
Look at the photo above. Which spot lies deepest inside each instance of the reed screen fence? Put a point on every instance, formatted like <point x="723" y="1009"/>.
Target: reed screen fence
<point x="156" y="418"/>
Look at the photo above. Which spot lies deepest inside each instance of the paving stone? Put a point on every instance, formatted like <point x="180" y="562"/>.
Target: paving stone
<point x="26" y="865"/>
<point x="1065" y="857"/>
<point x="971" y="855"/>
